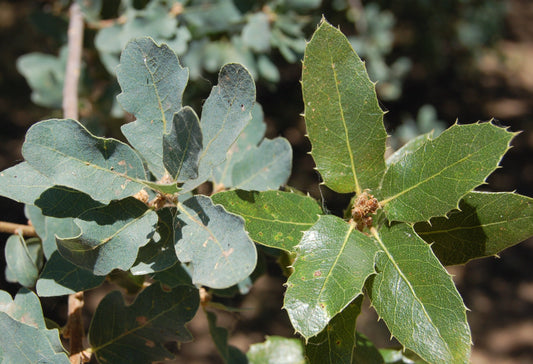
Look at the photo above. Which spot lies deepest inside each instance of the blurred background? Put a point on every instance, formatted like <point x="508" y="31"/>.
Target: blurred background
<point x="435" y="62"/>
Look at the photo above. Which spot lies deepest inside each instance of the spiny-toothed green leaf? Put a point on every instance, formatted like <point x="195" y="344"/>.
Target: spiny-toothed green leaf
<point x="486" y="224"/>
<point x="137" y="333"/>
<point x="60" y="201"/>
<point x="225" y="114"/>
<point x="273" y="218"/>
<point x="416" y="297"/>
<point x="60" y="277"/>
<point x="152" y="82"/>
<point x="332" y="264"/>
<point x="25" y="338"/>
<point x="343" y="118"/>
<point x="431" y="180"/>
<point x="23" y="183"/>
<point x="65" y="152"/>
<point x="159" y="254"/>
<point x="340" y="343"/>
<point x="409" y="147"/>
<point x="230" y="354"/>
<point x="24" y="259"/>
<point x="110" y="236"/>
<point x="182" y="145"/>
<point x="214" y="242"/>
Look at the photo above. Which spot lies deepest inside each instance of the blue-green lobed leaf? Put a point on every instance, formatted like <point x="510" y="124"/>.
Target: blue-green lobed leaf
<point x="23" y="183"/>
<point x="225" y="114"/>
<point x="110" y="236"/>
<point x="60" y="277"/>
<point x="214" y="242"/>
<point x="65" y="152"/>
<point x="159" y="254"/>
<point x="137" y="333"/>
<point x="24" y="259"/>
<point x="249" y="138"/>
<point x="25" y="338"/>
<point x="152" y="82"/>
<point x="182" y="145"/>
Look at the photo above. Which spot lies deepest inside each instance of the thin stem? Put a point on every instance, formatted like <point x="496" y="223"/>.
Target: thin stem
<point x="74" y="329"/>
<point x="12" y="228"/>
<point x="72" y="73"/>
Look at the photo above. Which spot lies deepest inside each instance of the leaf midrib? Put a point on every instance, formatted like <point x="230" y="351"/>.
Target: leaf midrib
<point x="345" y="126"/>
<point x="408" y="283"/>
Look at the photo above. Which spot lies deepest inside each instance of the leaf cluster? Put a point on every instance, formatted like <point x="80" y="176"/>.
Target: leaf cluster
<point x="129" y="212"/>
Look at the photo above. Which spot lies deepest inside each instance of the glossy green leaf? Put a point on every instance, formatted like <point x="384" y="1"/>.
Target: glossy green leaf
<point x="332" y="264"/>
<point x="277" y="350"/>
<point x="137" y="333"/>
<point x="214" y="242"/>
<point x="24" y="259"/>
<point x="340" y="343"/>
<point x="230" y="354"/>
<point x="486" y="224"/>
<point x="417" y="299"/>
<point x="65" y="152"/>
<point x="60" y="277"/>
<point x="409" y="147"/>
<point x="431" y="180"/>
<point x="110" y="236"/>
<point x="224" y="115"/>
<point x="152" y="82"/>
<point x="23" y="183"/>
<point x="159" y="254"/>
<point x="182" y="145"/>
<point x="343" y="118"/>
<point x="273" y="218"/>
<point x="25" y="338"/>
<point x="59" y="201"/>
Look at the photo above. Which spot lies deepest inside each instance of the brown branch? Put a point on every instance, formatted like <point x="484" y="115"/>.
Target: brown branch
<point x="72" y="73"/>
<point x="11" y="228"/>
<point x="74" y="329"/>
